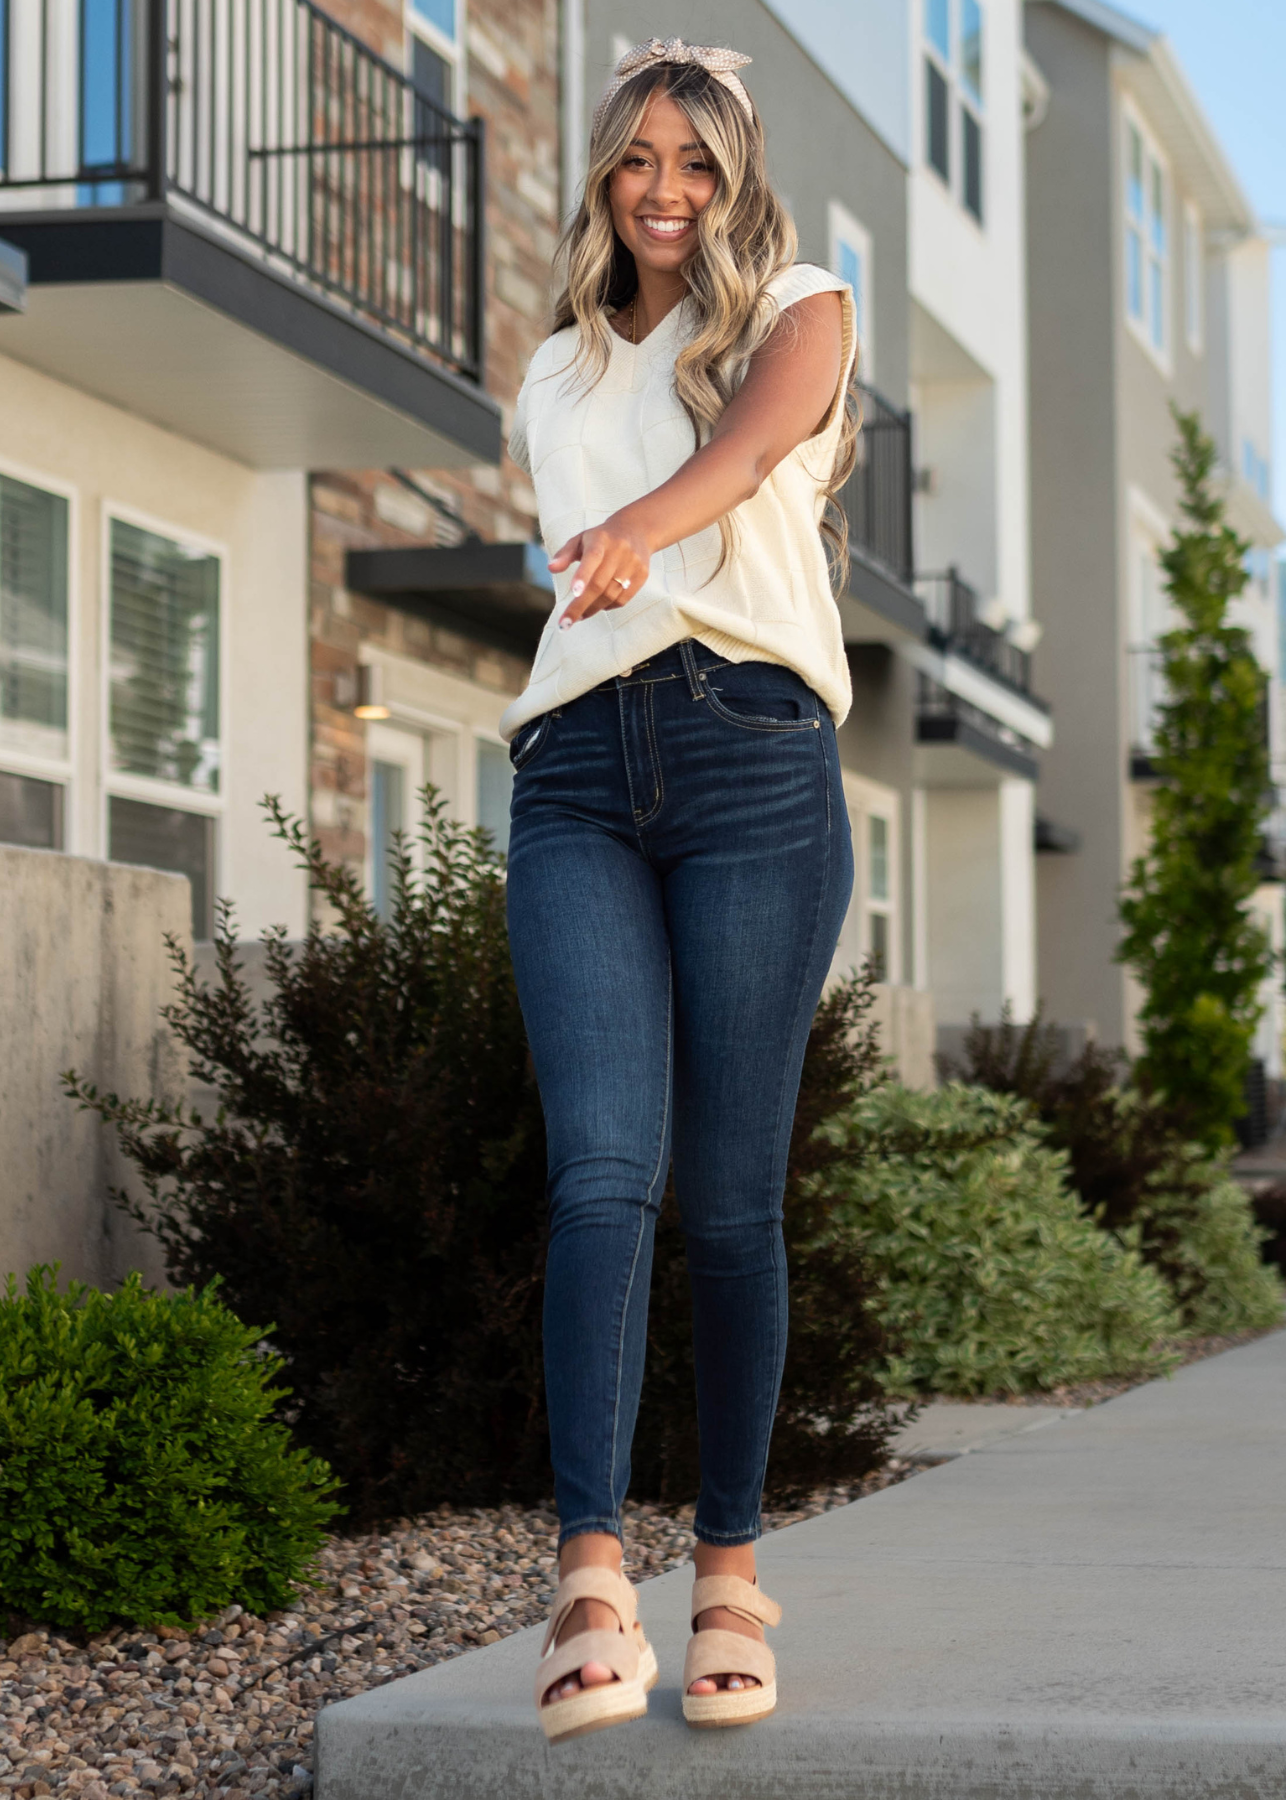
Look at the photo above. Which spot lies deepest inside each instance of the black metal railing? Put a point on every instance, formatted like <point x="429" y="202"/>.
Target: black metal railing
<point x="273" y="122"/>
<point x="952" y="607"/>
<point x="936" y="705"/>
<point x="877" y="495"/>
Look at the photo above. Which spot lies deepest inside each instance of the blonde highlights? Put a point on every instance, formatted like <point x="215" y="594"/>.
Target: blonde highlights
<point x="744" y="237"/>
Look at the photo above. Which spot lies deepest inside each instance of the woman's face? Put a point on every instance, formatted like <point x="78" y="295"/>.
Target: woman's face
<point x="662" y="182"/>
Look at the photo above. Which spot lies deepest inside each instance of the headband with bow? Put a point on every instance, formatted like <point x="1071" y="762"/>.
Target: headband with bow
<point x="722" y="64"/>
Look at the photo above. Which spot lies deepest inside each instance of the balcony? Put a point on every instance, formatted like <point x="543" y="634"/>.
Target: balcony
<point x="243" y="224"/>
<point x="952" y="609"/>
<point x="877" y="500"/>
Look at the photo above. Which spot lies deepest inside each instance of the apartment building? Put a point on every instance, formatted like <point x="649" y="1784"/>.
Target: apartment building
<point x="894" y="134"/>
<point x="234" y="271"/>
<point x="1148" y="284"/>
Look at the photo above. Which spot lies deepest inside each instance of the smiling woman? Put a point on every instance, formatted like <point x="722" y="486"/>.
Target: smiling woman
<point x="679" y="862"/>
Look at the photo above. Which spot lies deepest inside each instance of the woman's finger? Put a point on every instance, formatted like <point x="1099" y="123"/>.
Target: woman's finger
<point x="617" y="580"/>
<point x="585" y="587"/>
<point x="570" y="553"/>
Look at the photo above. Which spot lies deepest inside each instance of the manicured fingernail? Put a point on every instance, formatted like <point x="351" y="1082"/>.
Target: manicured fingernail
<point x="565" y="624"/>
<point x="578" y="588"/>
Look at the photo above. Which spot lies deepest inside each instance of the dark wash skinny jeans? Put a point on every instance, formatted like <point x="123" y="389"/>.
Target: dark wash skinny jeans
<point x="679" y="868"/>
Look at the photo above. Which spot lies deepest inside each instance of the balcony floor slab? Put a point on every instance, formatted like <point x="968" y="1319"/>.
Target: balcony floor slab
<point x="1091" y="1611"/>
<point x="149" y="311"/>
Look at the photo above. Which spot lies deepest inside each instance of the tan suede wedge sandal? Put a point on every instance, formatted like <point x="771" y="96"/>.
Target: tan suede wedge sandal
<point x="626" y="1653"/>
<point x="727" y="1653"/>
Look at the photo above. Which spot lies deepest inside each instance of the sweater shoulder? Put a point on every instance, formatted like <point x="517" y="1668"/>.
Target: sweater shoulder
<point x="801" y="281"/>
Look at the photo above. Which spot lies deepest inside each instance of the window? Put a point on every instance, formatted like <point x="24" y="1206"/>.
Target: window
<point x="163" y="708"/>
<point x="953" y="97"/>
<point x="870" y="930"/>
<point x="33" y="621"/>
<point x="878" y="894"/>
<point x="1254" y="468"/>
<point x="1194" y="279"/>
<point x="435" y="36"/>
<point x="165" y="837"/>
<point x="495" y="786"/>
<point x="850" y="258"/>
<point x="1147" y="250"/>
<point x="31" y="812"/>
<point x="388" y="818"/>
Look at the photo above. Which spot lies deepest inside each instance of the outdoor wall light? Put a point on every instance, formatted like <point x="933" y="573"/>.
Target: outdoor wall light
<point x="371" y="703"/>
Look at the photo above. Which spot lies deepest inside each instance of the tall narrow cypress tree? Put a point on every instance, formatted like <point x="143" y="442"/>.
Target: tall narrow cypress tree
<point x="1189" y="933"/>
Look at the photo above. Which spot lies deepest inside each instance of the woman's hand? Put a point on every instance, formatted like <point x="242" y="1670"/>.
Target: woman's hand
<point x="613" y="558"/>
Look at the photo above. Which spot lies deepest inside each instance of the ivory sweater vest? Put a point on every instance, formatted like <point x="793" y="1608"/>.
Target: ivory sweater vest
<point x="591" y="451"/>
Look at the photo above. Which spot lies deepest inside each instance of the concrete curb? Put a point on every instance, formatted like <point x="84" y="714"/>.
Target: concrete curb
<point x="1096" y="1612"/>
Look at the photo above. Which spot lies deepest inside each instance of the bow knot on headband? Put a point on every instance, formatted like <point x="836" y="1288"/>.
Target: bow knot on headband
<point x="722" y="64"/>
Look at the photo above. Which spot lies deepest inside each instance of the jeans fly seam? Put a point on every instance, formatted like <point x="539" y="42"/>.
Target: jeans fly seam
<point x="649" y="726"/>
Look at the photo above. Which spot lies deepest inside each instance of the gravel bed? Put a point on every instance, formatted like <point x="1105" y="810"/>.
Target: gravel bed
<point x="227" y="1710"/>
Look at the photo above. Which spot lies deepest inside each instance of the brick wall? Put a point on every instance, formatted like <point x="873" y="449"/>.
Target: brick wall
<point x="512" y="82"/>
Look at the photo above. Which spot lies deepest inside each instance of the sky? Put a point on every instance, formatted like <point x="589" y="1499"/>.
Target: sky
<point x="1233" y="53"/>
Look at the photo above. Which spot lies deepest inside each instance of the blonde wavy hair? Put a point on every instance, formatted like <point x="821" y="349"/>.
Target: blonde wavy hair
<point x="744" y="237"/>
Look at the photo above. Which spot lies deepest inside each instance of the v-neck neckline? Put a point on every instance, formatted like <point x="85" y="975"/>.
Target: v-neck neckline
<point x="645" y="343"/>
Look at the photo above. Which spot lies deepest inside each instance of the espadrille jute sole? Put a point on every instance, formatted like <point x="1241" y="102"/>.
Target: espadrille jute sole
<point x="741" y="1706"/>
<point x="597" y="1708"/>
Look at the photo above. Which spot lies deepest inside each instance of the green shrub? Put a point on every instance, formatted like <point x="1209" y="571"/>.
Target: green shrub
<point x="375" y="1182"/>
<point x="1137" y="1173"/>
<point x="990" y="1275"/>
<point x="141" y="1478"/>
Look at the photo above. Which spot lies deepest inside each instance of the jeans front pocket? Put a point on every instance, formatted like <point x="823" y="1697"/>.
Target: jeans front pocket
<point x="761" y="697"/>
<point x="527" y="740"/>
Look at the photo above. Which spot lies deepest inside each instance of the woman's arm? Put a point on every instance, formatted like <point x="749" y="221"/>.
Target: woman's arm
<point x="789" y="386"/>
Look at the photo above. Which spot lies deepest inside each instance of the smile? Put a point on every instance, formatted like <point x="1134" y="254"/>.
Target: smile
<point x="668" y="228"/>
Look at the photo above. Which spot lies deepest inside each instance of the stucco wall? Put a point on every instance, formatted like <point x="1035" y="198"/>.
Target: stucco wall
<point x="86" y="974"/>
<point x="110" y="462"/>
<point x="1072" y="271"/>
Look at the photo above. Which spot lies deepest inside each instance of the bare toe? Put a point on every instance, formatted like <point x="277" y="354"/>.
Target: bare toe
<point x="594" y="1674"/>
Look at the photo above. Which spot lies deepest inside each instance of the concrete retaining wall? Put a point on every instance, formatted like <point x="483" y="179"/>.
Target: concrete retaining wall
<point x="905" y="1017"/>
<point x="85" y="974"/>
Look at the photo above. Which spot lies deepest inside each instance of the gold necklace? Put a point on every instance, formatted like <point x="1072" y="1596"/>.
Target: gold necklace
<point x="634" y="303"/>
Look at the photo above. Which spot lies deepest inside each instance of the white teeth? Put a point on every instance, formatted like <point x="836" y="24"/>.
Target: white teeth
<point x="672" y="227"/>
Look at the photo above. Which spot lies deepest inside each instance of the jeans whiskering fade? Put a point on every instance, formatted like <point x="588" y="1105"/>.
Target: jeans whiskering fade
<point x="679" y="869"/>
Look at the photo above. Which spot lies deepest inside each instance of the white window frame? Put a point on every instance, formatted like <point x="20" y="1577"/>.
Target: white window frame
<point x="118" y="784"/>
<point x="59" y="771"/>
<point x="451" y="51"/>
<point x="865" y="800"/>
<point x="1153" y="160"/>
<point x="1149" y="617"/>
<point x="451" y="708"/>
<point x="959" y="98"/>
<point x="843" y="230"/>
<point x="1194" y="278"/>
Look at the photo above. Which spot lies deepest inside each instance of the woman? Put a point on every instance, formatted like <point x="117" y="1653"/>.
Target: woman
<point x="679" y="861"/>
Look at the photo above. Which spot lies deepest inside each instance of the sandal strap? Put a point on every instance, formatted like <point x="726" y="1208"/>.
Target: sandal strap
<point x="727" y="1653"/>
<point x="592" y="1584"/>
<point x="618" y="1650"/>
<point x="745" y="1598"/>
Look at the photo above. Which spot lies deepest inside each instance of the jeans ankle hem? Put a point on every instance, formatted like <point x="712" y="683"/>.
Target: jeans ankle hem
<point x="726" y="1539"/>
<point x="584" y="1527"/>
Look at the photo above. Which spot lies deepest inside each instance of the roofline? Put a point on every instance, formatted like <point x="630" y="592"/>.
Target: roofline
<point x="1198" y="125"/>
<point x="1143" y="41"/>
<point x="1130" y="32"/>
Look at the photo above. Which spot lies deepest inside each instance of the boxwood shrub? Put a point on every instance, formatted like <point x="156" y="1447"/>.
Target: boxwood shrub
<point x="990" y="1275"/>
<point x="142" y="1480"/>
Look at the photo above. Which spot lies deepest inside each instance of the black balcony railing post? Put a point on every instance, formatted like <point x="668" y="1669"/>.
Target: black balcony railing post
<point x="158" y="99"/>
<point x="478" y="259"/>
<point x="908" y="502"/>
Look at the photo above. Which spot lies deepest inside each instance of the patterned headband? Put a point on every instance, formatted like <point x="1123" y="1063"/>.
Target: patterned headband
<point x="722" y="64"/>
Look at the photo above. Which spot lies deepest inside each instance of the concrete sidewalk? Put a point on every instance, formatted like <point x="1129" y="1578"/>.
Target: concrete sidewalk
<point x="1092" y="1611"/>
